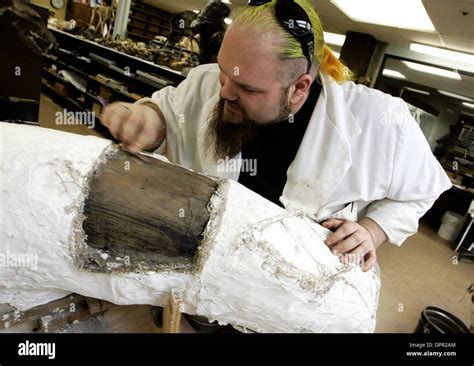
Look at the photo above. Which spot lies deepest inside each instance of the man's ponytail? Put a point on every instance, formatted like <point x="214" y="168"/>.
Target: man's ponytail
<point x="332" y="66"/>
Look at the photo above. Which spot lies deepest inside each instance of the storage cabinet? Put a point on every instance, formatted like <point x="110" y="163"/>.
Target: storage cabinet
<point x="146" y="22"/>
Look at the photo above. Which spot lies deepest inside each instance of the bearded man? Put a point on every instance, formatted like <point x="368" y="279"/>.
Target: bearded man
<point x="349" y="157"/>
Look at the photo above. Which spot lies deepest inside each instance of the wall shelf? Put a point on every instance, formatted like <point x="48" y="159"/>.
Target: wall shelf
<point x="104" y="73"/>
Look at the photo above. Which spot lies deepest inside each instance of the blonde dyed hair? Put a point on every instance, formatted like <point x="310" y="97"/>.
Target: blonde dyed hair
<point x="262" y="19"/>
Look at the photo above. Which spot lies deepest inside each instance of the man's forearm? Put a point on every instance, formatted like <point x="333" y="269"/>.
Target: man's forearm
<point x="378" y="235"/>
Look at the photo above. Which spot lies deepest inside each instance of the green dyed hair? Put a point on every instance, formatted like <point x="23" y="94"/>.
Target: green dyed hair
<point x="262" y="19"/>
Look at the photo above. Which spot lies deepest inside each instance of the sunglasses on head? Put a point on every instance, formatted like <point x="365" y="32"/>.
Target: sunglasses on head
<point x="294" y="19"/>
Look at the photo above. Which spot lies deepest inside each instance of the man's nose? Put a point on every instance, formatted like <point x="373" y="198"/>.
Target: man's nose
<point x="227" y="91"/>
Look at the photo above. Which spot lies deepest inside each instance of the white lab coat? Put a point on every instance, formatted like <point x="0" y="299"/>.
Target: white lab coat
<point x="362" y="153"/>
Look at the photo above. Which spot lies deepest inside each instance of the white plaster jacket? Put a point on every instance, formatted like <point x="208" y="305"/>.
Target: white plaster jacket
<point x="362" y="153"/>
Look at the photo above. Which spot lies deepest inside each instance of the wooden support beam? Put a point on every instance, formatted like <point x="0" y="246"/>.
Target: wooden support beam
<point x="172" y="313"/>
<point x="97" y="306"/>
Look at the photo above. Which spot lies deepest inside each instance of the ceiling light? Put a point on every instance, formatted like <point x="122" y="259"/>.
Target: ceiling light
<point x="468" y="105"/>
<point x="432" y="70"/>
<point x="393" y="74"/>
<point x="334" y="39"/>
<point x="196" y="11"/>
<point x="227" y="20"/>
<point x="457" y="96"/>
<point x="417" y="90"/>
<point x="226" y="2"/>
<point x="440" y="52"/>
<point x="407" y="14"/>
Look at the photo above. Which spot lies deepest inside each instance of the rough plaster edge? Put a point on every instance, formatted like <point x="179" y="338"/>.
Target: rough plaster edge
<point x="79" y="237"/>
<point x="214" y="207"/>
<point x="79" y="248"/>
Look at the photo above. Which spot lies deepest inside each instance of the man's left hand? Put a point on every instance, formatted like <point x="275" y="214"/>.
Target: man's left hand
<point x="355" y="242"/>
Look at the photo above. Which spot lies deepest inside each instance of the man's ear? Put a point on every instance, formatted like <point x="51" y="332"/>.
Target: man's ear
<point x="300" y="89"/>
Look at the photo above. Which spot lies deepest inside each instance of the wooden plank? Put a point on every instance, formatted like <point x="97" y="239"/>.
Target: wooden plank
<point x="69" y="305"/>
<point x="172" y="313"/>
<point x="55" y="315"/>
<point x="60" y="317"/>
<point x="151" y="212"/>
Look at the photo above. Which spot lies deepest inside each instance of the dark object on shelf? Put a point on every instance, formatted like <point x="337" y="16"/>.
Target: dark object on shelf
<point x="211" y="27"/>
<point x="437" y="320"/>
<point x="121" y="71"/>
<point x="153" y="79"/>
<point x="29" y="26"/>
<point x="102" y="60"/>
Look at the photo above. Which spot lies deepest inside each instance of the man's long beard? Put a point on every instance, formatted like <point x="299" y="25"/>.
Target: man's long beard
<point x="226" y="139"/>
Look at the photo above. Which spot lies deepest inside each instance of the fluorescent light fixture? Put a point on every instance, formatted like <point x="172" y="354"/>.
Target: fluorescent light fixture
<point x="442" y="53"/>
<point x="468" y="105"/>
<point x="432" y="70"/>
<point x="419" y="91"/>
<point x="196" y="11"/>
<point x="457" y="96"/>
<point x="393" y="74"/>
<point x="227" y="20"/>
<point x="406" y="14"/>
<point x="334" y="38"/>
<point x="226" y="1"/>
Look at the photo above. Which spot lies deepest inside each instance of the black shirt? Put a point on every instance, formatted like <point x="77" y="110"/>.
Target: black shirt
<point x="275" y="148"/>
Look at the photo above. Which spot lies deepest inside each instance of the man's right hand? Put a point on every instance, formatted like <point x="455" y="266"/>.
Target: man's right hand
<point x="138" y="126"/>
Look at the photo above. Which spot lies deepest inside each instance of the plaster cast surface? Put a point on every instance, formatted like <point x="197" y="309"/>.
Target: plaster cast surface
<point x="259" y="267"/>
<point x="268" y="270"/>
<point x="43" y="185"/>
